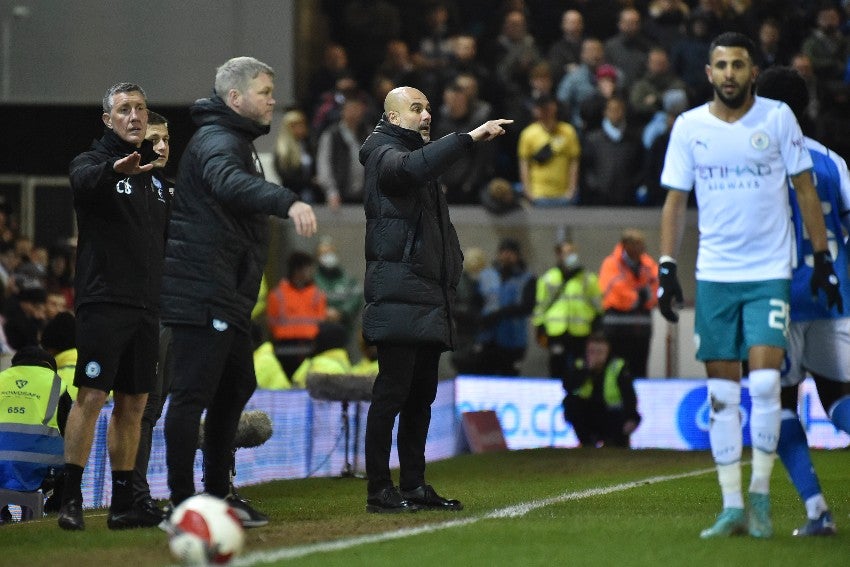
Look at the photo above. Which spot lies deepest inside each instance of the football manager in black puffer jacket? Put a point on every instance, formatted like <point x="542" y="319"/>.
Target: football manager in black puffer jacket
<point x="214" y="258"/>
<point x="413" y="264"/>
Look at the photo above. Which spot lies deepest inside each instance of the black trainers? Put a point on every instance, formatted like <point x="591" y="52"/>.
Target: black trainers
<point x="427" y="499"/>
<point x="249" y="516"/>
<point x="149" y="506"/>
<point x="389" y="501"/>
<point x="136" y="517"/>
<point x="71" y="515"/>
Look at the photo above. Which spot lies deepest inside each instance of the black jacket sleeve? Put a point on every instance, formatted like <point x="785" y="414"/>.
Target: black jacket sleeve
<point x="401" y="169"/>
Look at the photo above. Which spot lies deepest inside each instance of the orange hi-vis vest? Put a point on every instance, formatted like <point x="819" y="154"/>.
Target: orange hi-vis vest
<point x="295" y="314"/>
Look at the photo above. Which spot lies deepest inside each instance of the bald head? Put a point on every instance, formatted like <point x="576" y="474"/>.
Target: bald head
<point x="409" y="108"/>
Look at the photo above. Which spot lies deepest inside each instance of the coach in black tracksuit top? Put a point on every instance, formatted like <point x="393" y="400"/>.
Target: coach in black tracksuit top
<point x="122" y="215"/>
<point x="214" y="260"/>
<point x="413" y="265"/>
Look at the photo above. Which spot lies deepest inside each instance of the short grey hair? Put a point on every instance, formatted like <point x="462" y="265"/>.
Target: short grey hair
<point x="236" y="73"/>
<point x="117" y="88"/>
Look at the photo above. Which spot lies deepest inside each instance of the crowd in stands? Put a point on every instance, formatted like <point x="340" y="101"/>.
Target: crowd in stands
<point x="584" y="80"/>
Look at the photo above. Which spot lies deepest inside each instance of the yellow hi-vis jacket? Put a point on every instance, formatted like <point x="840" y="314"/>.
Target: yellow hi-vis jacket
<point x="610" y="385"/>
<point x="569" y="308"/>
<point x="30" y="443"/>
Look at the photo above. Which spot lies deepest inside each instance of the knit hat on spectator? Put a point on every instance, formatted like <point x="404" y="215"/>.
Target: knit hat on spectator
<point x="606" y="71"/>
<point x="34" y="356"/>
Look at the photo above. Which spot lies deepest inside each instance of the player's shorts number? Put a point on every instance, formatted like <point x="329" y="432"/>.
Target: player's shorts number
<point x="779" y="315"/>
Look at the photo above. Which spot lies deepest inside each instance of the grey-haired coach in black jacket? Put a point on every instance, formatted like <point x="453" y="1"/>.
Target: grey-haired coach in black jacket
<point x="413" y="264"/>
<point x="214" y="258"/>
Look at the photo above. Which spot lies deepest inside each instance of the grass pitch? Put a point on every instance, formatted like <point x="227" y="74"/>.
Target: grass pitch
<point x="536" y="507"/>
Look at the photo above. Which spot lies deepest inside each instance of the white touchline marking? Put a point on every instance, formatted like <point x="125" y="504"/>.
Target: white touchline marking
<point x="515" y="511"/>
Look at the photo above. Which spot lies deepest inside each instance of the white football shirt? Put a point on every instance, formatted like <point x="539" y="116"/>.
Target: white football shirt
<point x="739" y="172"/>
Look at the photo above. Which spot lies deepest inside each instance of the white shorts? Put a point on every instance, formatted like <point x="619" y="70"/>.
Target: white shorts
<point x="821" y="347"/>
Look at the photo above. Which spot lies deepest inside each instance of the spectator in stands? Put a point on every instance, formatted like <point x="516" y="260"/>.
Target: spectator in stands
<point x="592" y="109"/>
<point x="646" y="94"/>
<point x="29" y="423"/>
<point x="720" y="15"/>
<point x="507" y="288"/>
<point x="343" y="292"/>
<point x="499" y="197"/>
<point x="827" y="48"/>
<point x="295" y="307"/>
<point x="465" y="61"/>
<point x="549" y="153"/>
<point x="601" y="403"/>
<point x="565" y="54"/>
<point x="666" y="22"/>
<point x="629" y="283"/>
<point x="803" y="65"/>
<point x="514" y="52"/>
<point x="482" y="110"/>
<point x="467" y="312"/>
<point x="689" y="56"/>
<point x="338" y="171"/>
<point x="628" y="50"/>
<point x="54" y="304"/>
<point x="434" y="49"/>
<point x="462" y="181"/>
<point x="568" y="302"/>
<point x="330" y="103"/>
<point x="612" y="160"/>
<point x="24" y="316"/>
<point x="294" y="158"/>
<point x="334" y="64"/>
<point x="367" y="27"/>
<point x="600" y="17"/>
<point x="770" y="47"/>
<point x="673" y="102"/>
<point x="60" y="275"/>
<point x="580" y="84"/>
<point x="398" y="65"/>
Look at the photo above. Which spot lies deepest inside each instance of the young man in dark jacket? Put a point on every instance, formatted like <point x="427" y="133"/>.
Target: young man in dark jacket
<point x="413" y="265"/>
<point x="216" y="251"/>
<point x="121" y="219"/>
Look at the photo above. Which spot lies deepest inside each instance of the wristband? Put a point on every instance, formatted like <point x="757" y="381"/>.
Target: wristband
<point x="663" y="259"/>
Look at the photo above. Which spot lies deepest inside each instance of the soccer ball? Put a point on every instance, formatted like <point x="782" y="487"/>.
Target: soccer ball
<point x="205" y="530"/>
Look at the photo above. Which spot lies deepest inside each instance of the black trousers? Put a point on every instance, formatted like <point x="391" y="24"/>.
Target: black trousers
<point x="406" y="386"/>
<point x="594" y="422"/>
<point x="563" y="352"/>
<point x="213" y="370"/>
<point x="152" y="413"/>
<point x="631" y="343"/>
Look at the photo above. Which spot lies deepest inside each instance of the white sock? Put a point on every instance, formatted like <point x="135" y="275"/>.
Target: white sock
<point x="815" y="506"/>
<point x="765" y="419"/>
<point x="725" y="436"/>
<point x="762" y="467"/>
<point x="729" y="477"/>
<point x="766" y="414"/>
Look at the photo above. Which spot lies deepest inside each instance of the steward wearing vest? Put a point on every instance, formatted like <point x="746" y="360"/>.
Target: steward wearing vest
<point x="32" y="403"/>
<point x="601" y="403"/>
<point x="629" y="281"/>
<point x="295" y="308"/>
<point x="330" y="358"/>
<point x="568" y="302"/>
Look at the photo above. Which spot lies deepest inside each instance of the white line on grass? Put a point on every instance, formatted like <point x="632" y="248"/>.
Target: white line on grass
<point x="516" y="511"/>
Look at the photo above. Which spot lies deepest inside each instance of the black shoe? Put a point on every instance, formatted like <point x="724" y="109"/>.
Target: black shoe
<point x="136" y="517"/>
<point x="71" y="515"/>
<point x="6" y="516"/>
<point x="389" y="501"/>
<point x="149" y="506"/>
<point x="427" y="498"/>
<point x="249" y="516"/>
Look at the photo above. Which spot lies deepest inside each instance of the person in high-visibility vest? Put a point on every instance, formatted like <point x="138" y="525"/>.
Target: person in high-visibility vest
<point x="601" y="403"/>
<point x="31" y="444"/>
<point x="567" y="303"/>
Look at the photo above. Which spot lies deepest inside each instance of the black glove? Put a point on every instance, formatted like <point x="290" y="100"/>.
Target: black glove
<point x="668" y="290"/>
<point x="643" y="295"/>
<point x="824" y="278"/>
